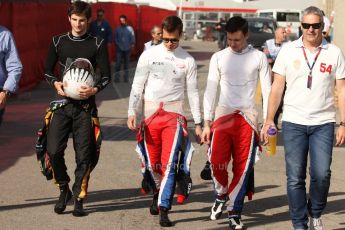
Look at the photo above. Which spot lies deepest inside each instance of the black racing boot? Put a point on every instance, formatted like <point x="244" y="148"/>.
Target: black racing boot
<point x="145" y="184"/>
<point x="65" y="196"/>
<point x="154" y="210"/>
<point x="206" y="173"/>
<point x="78" y="208"/>
<point x="163" y="218"/>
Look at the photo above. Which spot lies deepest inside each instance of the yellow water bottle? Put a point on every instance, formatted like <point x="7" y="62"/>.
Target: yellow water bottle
<point x="271" y="147"/>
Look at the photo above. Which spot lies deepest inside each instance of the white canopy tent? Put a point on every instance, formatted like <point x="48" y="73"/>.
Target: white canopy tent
<point x="258" y="4"/>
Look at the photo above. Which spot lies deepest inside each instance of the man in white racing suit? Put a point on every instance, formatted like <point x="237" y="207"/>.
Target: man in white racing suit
<point x="230" y="126"/>
<point x="162" y="75"/>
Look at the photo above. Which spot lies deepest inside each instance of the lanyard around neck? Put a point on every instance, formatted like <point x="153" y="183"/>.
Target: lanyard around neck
<point x="310" y="76"/>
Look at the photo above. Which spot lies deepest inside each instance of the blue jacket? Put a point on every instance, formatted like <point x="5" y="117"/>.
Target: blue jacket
<point x="124" y="37"/>
<point x="103" y="30"/>
<point x="10" y="64"/>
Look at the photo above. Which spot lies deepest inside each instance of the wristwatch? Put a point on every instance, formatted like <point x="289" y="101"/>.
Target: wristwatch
<point x="342" y="123"/>
<point x="199" y="124"/>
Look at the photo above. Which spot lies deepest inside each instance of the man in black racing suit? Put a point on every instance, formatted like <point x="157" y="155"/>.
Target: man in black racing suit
<point x="75" y="116"/>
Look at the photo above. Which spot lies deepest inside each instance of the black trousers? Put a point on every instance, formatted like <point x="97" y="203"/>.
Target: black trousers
<point x="71" y="118"/>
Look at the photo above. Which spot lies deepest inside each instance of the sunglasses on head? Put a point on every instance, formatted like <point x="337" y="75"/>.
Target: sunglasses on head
<point x="315" y="26"/>
<point x="172" y="40"/>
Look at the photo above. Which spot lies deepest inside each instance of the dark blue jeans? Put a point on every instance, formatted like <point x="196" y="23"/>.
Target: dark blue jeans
<point x="122" y="56"/>
<point x="298" y="141"/>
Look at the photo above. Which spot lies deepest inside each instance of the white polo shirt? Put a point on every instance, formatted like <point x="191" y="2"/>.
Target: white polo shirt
<point x="302" y="105"/>
<point x="148" y="45"/>
<point x="326" y="23"/>
<point x="273" y="48"/>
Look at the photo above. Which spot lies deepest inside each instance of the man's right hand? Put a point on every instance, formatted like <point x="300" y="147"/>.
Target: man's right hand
<point x="132" y="123"/>
<point x="264" y="129"/>
<point x="198" y="133"/>
<point x="206" y="133"/>
<point x="59" y="88"/>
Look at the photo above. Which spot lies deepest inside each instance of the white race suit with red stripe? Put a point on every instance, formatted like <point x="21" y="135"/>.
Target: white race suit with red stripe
<point x="159" y="84"/>
<point x="234" y="131"/>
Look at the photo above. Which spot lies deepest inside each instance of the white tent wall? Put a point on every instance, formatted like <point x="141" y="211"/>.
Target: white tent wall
<point x="259" y="4"/>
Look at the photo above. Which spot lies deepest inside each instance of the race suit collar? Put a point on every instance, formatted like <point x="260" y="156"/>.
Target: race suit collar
<point x="75" y="38"/>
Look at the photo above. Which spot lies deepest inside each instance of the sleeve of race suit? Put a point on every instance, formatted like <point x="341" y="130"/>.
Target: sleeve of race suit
<point x="265" y="81"/>
<point x="103" y="64"/>
<point x="193" y="91"/>
<point x="140" y="78"/>
<point x="49" y="67"/>
<point x="211" y="89"/>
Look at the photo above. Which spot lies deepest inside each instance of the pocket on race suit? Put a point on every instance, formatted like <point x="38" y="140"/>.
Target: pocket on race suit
<point x="98" y="137"/>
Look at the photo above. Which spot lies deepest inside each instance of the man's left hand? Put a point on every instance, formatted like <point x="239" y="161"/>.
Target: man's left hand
<point x="340" y="137"/>
<point x="3" y="98"/>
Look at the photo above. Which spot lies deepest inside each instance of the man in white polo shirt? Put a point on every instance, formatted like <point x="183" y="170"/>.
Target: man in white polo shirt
<point x="273" y="46"/>
<point x="310" y="67"/>
<point x="156" y="33"/>
<point x="233" y="134"/>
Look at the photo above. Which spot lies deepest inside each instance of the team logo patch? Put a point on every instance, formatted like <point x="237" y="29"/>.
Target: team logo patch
<point x="296" y="64"/>
<point x="157" y="63"/>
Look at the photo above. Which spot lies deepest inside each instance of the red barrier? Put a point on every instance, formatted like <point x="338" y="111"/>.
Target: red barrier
<point x="6" y="12"/>
<point x="34" y="23"/>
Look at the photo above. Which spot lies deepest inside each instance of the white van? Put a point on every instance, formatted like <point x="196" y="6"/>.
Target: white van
<point x="288" y="18"/>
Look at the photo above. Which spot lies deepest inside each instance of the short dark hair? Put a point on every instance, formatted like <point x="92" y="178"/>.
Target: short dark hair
<point x="80" y="7"/>
<point x="172" y="23"/>
<point x="123" y="16"/>
<point x="237" y="23"/>
<point x="100" y="11"/>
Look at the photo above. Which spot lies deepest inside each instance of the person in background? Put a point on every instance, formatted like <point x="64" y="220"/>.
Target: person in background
<point x="289" y="28"/>
<point x="10" y="68"/>
<point x="326" y="28"/>
<point x="266" y="29"/>
<point x="101" y="28"/>
<point x="156" y="33"/>
<point x="311" y="68"/>
<point x="271" y="49"/>
<point x="221" y="33"/>
<point x="124" y="41"/>
<point x="273" y="46"/>
<point x="233" y="133"/>
<point x="163" y="75"/>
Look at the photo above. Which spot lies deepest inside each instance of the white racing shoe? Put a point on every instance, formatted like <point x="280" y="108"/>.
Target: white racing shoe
<point x="217" y="209"/>
<point x="235" y="223"/>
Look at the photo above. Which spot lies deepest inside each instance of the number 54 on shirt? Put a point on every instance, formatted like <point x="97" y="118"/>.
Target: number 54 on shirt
<point x="325" y="68"/>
